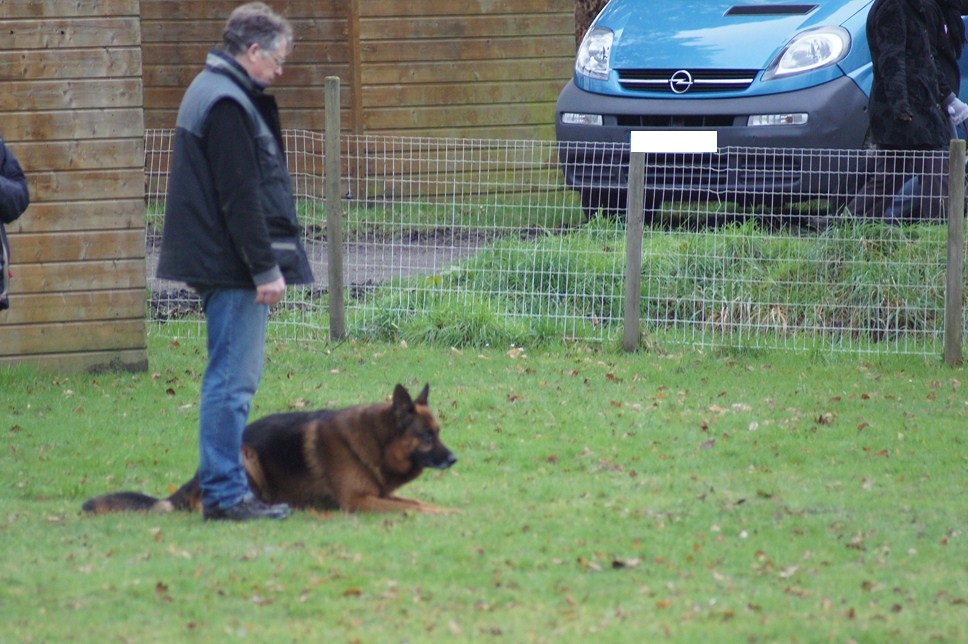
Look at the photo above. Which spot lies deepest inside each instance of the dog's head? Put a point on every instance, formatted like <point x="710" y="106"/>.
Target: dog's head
<point x="417" y="443"/>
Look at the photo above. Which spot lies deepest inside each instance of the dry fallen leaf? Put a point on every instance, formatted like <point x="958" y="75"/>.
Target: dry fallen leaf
<point x="589" y="565"/>
<point x="634" y="562"/>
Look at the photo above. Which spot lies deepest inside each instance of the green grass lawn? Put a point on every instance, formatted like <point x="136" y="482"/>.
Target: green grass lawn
<point x="604" y="497"/>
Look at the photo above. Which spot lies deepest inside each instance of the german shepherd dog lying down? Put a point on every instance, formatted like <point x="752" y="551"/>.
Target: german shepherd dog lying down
<point x="352" y="459"/>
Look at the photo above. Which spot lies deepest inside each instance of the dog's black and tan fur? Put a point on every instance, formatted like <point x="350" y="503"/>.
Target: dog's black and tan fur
<point x="353" y="459"/>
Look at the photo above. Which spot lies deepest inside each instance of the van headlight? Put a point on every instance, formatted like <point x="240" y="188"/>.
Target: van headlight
<point x="809" y="50"/>
<point x="592" y="58"/>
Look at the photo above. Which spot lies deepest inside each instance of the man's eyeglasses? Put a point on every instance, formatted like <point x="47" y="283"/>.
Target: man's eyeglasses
<point x="278" y="60"/>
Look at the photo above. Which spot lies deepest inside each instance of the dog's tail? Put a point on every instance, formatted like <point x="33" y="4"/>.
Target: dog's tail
<point x="187" y="498"/>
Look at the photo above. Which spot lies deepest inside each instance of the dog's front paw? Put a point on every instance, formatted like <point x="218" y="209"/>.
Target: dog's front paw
<point x="436" y="509"/>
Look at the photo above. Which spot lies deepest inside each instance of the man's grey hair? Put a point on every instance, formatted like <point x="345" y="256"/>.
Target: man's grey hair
<point x="255" y="23"/>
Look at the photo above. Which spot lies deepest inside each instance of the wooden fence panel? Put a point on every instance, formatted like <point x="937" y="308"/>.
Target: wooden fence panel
<point x="177" y="36"/>
<point x="487" y="69"/>
<point x="72" y="113"/>
<point x="83" y="306"/>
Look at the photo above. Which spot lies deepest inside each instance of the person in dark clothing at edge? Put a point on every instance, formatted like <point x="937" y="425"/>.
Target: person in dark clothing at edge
<point x="14" y="199"/>
<point x="914" y="106"/>
<point x="231" y="233"/>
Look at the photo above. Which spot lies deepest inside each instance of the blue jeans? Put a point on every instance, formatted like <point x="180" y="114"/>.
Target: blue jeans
<point x="236" y="348"/>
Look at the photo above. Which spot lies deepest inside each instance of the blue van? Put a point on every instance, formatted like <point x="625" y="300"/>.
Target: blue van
<point x="774" y="76"/>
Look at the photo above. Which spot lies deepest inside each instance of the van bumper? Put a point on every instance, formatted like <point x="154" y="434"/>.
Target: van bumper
<point x="755" y="164"/>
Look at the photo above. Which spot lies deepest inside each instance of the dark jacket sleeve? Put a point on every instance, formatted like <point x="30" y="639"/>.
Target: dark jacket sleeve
<point x="14" y="194"/>
<point x="230" y="147"/>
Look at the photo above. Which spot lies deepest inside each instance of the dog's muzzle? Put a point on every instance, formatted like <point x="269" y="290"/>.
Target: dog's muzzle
<point x="441" y="461"/>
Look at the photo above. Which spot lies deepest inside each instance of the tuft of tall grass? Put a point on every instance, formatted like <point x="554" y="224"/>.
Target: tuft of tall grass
<point x="544" y="274"/>
<point x="859" y="280"/>
<point x="514" y="291"/>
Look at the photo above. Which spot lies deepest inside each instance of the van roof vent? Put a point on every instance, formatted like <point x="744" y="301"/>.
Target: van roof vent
<point x="771" y="10"/>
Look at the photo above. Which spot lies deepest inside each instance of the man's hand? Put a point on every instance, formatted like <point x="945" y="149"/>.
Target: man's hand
<point x="270" y="293"/>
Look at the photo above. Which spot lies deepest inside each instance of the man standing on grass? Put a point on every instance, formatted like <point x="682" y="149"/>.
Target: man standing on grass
<point x="231" y="233"/>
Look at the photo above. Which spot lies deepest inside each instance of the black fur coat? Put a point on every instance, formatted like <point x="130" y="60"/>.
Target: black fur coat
<point x="915" y="71"/>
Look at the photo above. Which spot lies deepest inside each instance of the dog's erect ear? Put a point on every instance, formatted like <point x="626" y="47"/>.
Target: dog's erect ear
<point x="402" y="403"/>
<point x="422" y="398"/>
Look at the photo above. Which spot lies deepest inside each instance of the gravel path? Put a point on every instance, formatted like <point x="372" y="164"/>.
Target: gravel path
<point x="365" y="264"/>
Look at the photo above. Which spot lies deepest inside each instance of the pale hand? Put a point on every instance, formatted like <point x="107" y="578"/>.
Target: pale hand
<point x="271" y="292"/>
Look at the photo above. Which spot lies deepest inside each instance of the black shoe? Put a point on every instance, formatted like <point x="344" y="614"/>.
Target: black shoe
<point x="249" y="509"/>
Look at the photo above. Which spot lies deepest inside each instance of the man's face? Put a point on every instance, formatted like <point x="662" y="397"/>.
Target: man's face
<point x="265" y="65"/>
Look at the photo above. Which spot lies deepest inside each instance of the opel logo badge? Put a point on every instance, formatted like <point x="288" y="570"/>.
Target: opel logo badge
<point x="681" y="82"/>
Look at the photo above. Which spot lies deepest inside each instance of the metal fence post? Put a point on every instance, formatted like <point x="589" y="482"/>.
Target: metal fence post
<point x="954" y="319"/>
<point x="334" y="210"/>
<point x="634" y="225"/>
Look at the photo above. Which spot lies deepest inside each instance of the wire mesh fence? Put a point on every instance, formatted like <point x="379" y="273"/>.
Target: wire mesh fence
<point x="502" y="242"/>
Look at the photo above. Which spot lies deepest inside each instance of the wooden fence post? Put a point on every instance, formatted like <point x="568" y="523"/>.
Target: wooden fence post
<point x="954" y="319"/>
<point x="642" y="142"/>
<point x="634" y="225"/>
<point x="334" y="210"/>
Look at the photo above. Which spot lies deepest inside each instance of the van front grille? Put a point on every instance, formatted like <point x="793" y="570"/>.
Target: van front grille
<point x="685" y="81"/>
